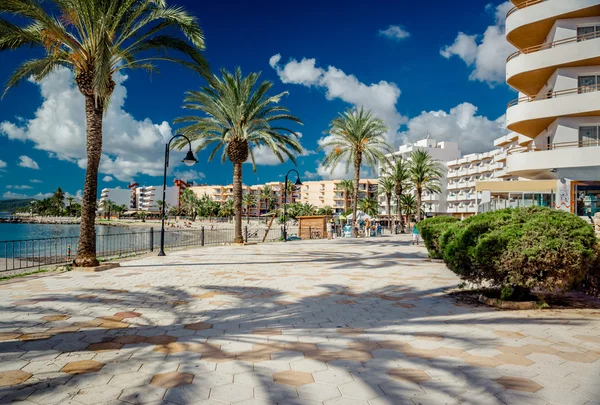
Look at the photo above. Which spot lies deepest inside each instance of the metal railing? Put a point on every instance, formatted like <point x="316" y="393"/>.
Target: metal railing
<point x="39" y="253"/>
<point x="550" y="45"/>
<point x="524" y="4"/>
<point x="554" y="94"/>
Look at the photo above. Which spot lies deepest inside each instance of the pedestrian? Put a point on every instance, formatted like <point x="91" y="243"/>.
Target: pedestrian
<point x="330" y="230"/>
<point x="415" y="235"/>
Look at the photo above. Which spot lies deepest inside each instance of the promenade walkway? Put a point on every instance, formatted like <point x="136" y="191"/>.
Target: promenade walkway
<point x="343" y="322"/>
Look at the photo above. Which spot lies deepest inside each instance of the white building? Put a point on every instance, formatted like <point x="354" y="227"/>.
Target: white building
<point x="557" y="115"/>
<point x="118" y="196"/>
<point x="440" y="151"/>
<point x="143" y="198"/>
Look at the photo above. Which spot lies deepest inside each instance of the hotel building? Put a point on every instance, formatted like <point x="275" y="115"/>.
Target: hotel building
<point x="142" y="198"/>
<point x="556" y="70"/>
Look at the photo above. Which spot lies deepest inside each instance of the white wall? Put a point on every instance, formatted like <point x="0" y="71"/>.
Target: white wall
<point x="564" y="129"/>
<point x="565" y="29"/>
<point x="119" y="196"/>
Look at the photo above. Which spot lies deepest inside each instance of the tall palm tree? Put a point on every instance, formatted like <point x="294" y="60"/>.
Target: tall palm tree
<point x="188" y="202"/>
<point x="369" y="206"/>
<point x="265" y="194"/>
<point x="106" y="207"/>
<point x="408" y="203"/>
<point x="70" y="200"/>
<point x="399" y="172"/>
<point x="58" y="200"/>
<point x="249" y="201"/>
<point x="347" y="187"/>
<point x="326" y="210"/>
<point x="238" y="117"/>
<point x="96" y="39"/>
<point x="425" y="174"/>
<point x="357" y="136"/>
<point x="387" y="186"/>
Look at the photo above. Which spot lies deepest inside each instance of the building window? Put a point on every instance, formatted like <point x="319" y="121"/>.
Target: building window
<point x="588" y="136"/>
<point x="588" y="84"/>
<point x="587" y="33"/>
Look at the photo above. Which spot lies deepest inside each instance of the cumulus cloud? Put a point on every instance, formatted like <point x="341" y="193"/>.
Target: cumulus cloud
<point x="263" y="156"/>
<point x="130" y="146"/>
<point x="486" y="54"/>
<point x="381" y="98"/>
<point x="2" y="164"/>
<point x="26" y="161"/>
<point x="35" y="181"/>
<point x="395" y="32"/>
<point x="11" y="195"/>
<point x="472" y="132"/>
<point x="18" y="187"/>
<point x="189" y="175"/>
<point x="107" y="179"/>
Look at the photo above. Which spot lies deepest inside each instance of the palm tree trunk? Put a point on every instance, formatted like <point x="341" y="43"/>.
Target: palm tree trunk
<point x="237" y="202"/>
<point x="389" y="205"/>
<point x="419" y="195"/>
<point x="399" y="209"/>
<point x="86" y="251"/>
<point x="356" y="184"/>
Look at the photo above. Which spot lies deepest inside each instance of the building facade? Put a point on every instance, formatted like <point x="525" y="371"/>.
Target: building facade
<point x="327" y="193"/>
<point x="556" y="70"/>
<point x="143" y="198"/>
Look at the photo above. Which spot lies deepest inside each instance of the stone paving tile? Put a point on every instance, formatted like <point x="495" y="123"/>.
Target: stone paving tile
<point x="327" y="324"/>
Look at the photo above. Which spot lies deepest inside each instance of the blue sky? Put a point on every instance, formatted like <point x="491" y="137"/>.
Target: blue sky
<point x="436" y="69"/>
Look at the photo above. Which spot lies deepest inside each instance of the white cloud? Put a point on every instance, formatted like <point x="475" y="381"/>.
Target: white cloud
<point x="263" y="156"/>
<point x="189" y="175"/>
<point x="10" y="195"/>
<point x="23" y="187"/>
<point x="2" y="164"/>
<point x="472" y="132"/>
<point x="107" y="179"/>
<point x="35" y="181"/>
<point x="486" y="53"/>
<point x="381" y="98"/>
<point x="26" y="161"/>
<point x="130" y="146"/>
<point x="395" y="32"/>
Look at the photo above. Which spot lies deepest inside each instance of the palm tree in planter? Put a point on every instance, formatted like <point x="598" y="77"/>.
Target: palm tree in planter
<point x="238" y="117"/>
<point x="249" y="201"/>
<point x="96" y="39"/>
<point x="425" y="175"/>
<point x="357" y="137"/>
<point x="399" y="172"/>
<point x="387" y="187"/>
<point x="347" y="187"/>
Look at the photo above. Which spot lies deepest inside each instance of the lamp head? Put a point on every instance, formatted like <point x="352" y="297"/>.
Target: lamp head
<point x="189" y="159"/>
<point x="298" y="182"/>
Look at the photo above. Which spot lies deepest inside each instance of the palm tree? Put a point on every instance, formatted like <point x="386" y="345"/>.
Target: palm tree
<point x="106" y="207"/>
<point x="408" y="203"/>
<point x="369" y="206"/>
<point x="249" y="201"/>
<point x="356" y="135"/>
<point x="70" y="200"/>
<point x="387" y="187"/>
<point x="96" y="39"/>
<point x="399" y="172"/>
<point x="58" y="200"/>
<point x="265" y="194"/>
<point x="290" y="188"/>
<point x="239" y="116"/>
<point x="347" y="186"/>
<point x="326" y="210"/>
<point x="187" y="201"/>
<point x="227" y="209"/>
<point x="425" y="174"/>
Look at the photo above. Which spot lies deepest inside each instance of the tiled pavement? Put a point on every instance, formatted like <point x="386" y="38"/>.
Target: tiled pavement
<point x="345" y="322"/>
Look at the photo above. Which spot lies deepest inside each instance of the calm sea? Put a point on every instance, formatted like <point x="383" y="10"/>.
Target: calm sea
<point x="41" y="231"/>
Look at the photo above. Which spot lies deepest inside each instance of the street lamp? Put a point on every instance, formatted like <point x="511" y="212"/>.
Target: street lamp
<point x="298" y="183"/>
<point x="189" y="160"/>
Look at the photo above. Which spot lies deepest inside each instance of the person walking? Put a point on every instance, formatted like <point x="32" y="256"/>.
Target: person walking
<point x="415" y="235"/>
<point x="330" y="230"/>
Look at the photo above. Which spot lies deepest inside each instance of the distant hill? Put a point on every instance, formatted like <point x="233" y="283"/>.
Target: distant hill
<point x="13" y="205"/>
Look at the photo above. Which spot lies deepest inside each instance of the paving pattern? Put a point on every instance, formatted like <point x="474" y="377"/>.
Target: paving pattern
<point x="343" y="322"/>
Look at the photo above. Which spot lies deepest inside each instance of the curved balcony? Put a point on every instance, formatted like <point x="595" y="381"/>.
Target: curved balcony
<point x="529" y="23"/>
<point x="529" y="116"/>
<point x="571" y="156"/>
<point x="529" y="69"/>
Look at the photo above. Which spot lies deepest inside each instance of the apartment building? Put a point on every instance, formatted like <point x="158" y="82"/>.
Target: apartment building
<point x="442" y="152"/>
<point x="143" y="198"/>
<point x="326" y="193"/>
<point x="556" y="70"/>
<point x="119" y="196"/>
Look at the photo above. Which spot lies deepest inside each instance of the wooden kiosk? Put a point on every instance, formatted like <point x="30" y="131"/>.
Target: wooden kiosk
<point x="313" y="227"/>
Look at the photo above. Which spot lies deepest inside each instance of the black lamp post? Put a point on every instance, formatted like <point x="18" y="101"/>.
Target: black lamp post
<point x="298" y="183"/>
<point x="189" y="160"/>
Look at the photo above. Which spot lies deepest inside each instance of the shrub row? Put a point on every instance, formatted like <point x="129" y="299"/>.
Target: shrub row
<point x="523" y="248"/>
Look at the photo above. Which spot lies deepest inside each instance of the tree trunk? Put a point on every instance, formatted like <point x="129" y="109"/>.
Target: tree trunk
<point x="237" y="202"/>
<point x="389" y="205"/>
<point x="419" y="195"/>
<point x="356" y="184"/>
<point x="86" y="251"/>
<point x="399" y="209"/>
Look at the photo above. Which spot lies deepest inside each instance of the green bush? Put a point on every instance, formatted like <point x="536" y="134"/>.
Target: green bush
<point x="521" y="248"/>
<point x="431" y="229"/>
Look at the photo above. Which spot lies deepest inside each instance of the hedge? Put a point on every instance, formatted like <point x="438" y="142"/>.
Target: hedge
<point x="431" y="229"/>
<point x="521" y="248"/>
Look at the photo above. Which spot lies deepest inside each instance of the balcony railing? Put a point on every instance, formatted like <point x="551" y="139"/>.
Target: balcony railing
<point x="550" y="45"/>
<point x="554" y="94"/>
<point x="525" y="4"/>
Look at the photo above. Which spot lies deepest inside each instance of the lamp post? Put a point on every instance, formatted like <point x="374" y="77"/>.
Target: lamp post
<point x="298" y="183"/>
<point x="189" y="160"/>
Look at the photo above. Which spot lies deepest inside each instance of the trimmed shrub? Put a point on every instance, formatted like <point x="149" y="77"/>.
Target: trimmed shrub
<point x="431" y="229"/>
<point x="521" y="248"/>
